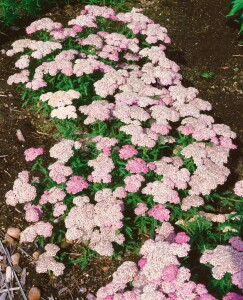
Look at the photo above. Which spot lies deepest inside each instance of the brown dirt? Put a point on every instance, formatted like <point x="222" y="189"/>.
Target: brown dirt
<point x="202" y="41"/>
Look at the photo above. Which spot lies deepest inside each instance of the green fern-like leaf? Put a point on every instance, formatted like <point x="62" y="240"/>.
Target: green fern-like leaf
<point x="237" y="6"/>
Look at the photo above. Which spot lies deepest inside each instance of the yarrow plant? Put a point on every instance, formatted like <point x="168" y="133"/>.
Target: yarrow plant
<point x="139" y="157"/>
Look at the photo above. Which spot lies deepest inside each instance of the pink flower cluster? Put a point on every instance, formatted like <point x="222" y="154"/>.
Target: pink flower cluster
<point x="133" y="183"/>
<point x="226" y="259"/>
<point x="43" y="24"/>
<point x="238" y="189"/>
<point x="46" y="262"/>
<point x="137" y="165"/>
<point x="103" y="165"/>
<point x="97" y="223"/>
<point x="76" y="184"/>
<point x="104" y="144"/>
<point x="161" y="192"/>
<point x="99" y="110"/>
<point x="62" y="101"/>
<point x="158" y="274"/>
<point x="22" y="191"/>
<point x="127" y="151"/>
<point x="159" y="212"/>
<point x="40" y="228"/>
<point x="32" y="212"/>
<point x="174" y="175"/>
<point x="63" y="150"/>
<point x="32" y="153"/>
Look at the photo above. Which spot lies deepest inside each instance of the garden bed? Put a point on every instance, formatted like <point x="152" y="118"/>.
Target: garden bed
<point x="199" y="47"/>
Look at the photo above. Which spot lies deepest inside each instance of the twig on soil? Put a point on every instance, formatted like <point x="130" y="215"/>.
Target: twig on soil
<point x="9" y="292"/>
<point x="10" y="289"/>
<point x="12" y="267"/>
<point x="1" y="156"/>
<point x="237" y="55"/>
<point x="42" y="133"/>
<point x="22" y="250"/>
<point x="3" y="95"/>
<point x="7" y="173"/>
<point x="12" y="109"/>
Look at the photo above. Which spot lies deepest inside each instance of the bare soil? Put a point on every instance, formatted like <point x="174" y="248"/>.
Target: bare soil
<point x="203" y="40"/>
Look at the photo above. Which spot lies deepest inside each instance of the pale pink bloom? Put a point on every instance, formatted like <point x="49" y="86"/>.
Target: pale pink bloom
<point x="77" y="28"/>
<point x="238" y="189"/>
<point x="59" y="209"/>
<point x="159" y="212"/>
<point x="46" y="262"/>
<point x="23" y="62"/>
<point x="133" y="183"/>
<point x="160" y="128"/>
<point x="120" y="192"/>
<point x="169" y="273"/>
<point x="161" y="192"/>
<point x="142" y="262"/>
<point x="237" y="243"/>
<point x="21" y="77"/>
<point x="33" y="213"/>
<point x="137" y="165"/>
<point x="32" y="153"/>
<point x="103" y="166"/>
<point x="59" y="172"/>
<point x="99" y="110"/>
<point x="76" y="184"/>
<point x="141" y="209"/>
<point x="44" y="229"/>
<point x="191" y="201"/>
<point x="63" y="150"/>
<point x="53" y="195"/>
<point x="224" y="259"/>
<point x="104" y="143"/>
<point x="127" y="151"/>
<point x="181" y="238"/>
<point x="22" y="191"/>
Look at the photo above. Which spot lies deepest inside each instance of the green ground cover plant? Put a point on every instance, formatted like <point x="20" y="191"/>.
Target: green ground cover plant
<point x="12" y="11"/>
<point x="237" y="12"/>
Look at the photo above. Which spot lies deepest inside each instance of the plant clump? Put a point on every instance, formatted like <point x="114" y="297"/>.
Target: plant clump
<point x="137" y="156"/>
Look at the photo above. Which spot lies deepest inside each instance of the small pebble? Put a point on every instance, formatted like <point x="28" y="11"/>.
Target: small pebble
<point x="14" y="232"/>
<point x="90" y="296"/>
<point x="15" y="258"/>
<point x="36" y="255"/>
<point x="34" y="294"/>
<point x="20" y="135"/>
<point x="10" y="240"/>
<point x="83" y="290"/>
<point x="9" y="274"/>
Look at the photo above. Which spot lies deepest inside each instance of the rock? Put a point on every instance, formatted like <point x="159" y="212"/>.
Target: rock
<point x="15" y="258"/>
<point x="34" y="294"/>
<point x="17" y="269"/>
<point x="14" y="232"/>
<point x="9" y="274"/>
<point x="10" y="240"/>
<point x="36" y="255"/>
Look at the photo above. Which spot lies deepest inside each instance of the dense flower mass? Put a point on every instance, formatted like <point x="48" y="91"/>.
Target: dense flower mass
<point x="159" y="275"/>
<point x="226" y="259"/>
<point x="138" y="157"/>
<point x="85" y="218"/>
